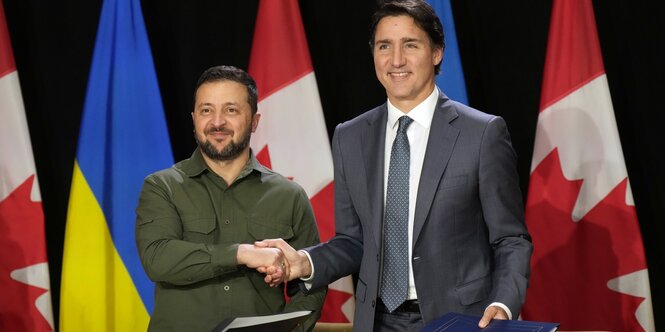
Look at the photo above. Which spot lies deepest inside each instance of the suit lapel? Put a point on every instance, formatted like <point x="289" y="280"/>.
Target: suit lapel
<point x="440" y="144"/>
<point x="373" y="146"/>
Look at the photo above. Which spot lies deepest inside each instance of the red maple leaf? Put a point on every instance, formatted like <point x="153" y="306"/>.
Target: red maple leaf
<point x="323" y="204"/>
<point x="324" y="212"/>
<point x="332" y="308"/>
<point x="573" y="261"/>
<point x="264" y="157"/>
<point x="22" y="244"/>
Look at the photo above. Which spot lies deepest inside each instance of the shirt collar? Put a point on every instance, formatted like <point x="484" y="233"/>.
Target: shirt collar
<point x="197" y="165"/>
<point x="253" y="165"/>
<point x="422" y="113"/>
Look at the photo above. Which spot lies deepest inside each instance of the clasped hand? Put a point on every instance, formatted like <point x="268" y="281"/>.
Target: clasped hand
<point x="292" y="265"/>
<point x="276" y="258"/>
<point x="265" y="259"/>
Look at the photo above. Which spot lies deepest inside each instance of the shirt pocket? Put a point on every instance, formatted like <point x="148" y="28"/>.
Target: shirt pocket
<point x="262" y="229"/>
<point x="199" y="229"/>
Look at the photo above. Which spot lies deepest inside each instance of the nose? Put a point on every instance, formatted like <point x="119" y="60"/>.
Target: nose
<point x="397" y="57"/>
<point x="218" y="119"/>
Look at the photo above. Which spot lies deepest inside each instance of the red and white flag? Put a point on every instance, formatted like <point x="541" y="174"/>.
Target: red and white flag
<point x="292" y="139"/>
<point x="25" y="298"/>
<point x="588" y="270"/>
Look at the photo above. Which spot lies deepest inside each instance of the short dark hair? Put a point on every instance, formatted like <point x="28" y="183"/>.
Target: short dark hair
<point x="231" y="73"/>
<point x="422" y="13"/>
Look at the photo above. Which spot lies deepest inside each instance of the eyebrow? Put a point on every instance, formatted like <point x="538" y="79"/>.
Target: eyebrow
<point x="403" y="40"/>
<point x="230" y="103"/>
<point x="201" y="105"/>
<point x="406" y="40"/>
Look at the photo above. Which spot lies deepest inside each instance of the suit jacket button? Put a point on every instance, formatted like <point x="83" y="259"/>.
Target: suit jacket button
<point x="373" y="303"/>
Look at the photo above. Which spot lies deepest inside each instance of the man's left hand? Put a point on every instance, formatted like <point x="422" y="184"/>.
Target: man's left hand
<point x="492" y="312"/>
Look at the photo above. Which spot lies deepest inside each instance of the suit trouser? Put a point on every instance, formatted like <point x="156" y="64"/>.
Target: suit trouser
<point x="405" y="318"/>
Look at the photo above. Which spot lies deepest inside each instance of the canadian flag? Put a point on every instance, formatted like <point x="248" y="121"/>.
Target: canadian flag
<point x="25" y="298"/>
<point x="292" y="138"/>
<point x="588" y="269"/>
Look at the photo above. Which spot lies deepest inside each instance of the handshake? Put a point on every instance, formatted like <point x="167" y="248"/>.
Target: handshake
<point x="276" y="258"/>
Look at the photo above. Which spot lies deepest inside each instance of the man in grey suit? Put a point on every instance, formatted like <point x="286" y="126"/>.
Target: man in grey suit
<point x="454" y="194"/>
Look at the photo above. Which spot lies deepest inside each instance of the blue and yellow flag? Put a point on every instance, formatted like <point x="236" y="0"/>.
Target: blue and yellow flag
<point x="123" y="138"/>
<point x="451" y="79"/>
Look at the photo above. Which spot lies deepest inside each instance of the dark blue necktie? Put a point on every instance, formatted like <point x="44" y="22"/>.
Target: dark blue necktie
<point x="395" y="277"/>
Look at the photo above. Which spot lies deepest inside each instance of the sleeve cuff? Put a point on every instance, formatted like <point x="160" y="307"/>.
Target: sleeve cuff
<point x="502" y="306"/>
<point x="308" y="281"/>
<point x="223" y="258"/>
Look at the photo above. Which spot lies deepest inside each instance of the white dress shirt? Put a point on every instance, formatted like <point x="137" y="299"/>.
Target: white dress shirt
<point x="418" y="134"/>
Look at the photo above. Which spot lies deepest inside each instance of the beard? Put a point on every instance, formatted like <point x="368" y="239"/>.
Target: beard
<point x="230" y="151"/>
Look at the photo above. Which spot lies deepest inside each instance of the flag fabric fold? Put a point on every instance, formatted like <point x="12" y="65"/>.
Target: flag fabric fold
<point x="25" y="300"/>
<point x="123" y="138"/>
<point x="588" y="270"/>
<point x="292" y="138"/>
<point x="451" y="78"/>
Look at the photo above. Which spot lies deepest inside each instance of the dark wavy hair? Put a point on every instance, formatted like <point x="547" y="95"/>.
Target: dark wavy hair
<point x="231" y="73"/>
<point x="422" y="13"/>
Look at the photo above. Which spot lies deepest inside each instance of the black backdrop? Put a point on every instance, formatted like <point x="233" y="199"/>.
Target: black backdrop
<point x="502" y="46"/>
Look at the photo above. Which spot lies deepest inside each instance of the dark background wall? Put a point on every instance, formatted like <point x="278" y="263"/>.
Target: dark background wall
<point x="502" y="47"/>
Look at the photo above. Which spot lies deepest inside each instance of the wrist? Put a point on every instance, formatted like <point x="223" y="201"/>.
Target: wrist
<point x="304" y="267"/>
<point x="241" y="254"/>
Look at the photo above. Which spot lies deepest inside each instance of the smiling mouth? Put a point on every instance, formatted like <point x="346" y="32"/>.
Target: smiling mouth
<point x="219" y="135"/>
<point x="399" y="75"/>
<point x="224" y="131"/>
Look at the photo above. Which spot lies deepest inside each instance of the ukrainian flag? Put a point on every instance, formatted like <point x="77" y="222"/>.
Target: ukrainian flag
<point x="451" y="79"/>
<point x="123" y="138"/>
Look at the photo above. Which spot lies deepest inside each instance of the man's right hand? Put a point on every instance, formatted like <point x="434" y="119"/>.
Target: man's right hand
<point x="298" y="263"/>
<point x="265" y="257"/>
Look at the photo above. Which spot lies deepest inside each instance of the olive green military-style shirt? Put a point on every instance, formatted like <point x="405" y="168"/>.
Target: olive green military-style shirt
<point x="188" y="228"/>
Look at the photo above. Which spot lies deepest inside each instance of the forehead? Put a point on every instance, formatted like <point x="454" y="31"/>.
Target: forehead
<point x="398" y="27"/>
<point x="221" y="92"/>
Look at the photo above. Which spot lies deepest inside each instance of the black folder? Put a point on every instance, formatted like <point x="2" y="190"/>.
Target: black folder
<point x="279" y="322"/>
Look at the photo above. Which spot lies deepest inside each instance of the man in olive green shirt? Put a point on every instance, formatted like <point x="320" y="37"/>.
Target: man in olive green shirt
<point x="197" y="221"/>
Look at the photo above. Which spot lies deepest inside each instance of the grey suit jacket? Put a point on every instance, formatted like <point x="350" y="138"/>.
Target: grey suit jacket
<point x="470" y="247"/>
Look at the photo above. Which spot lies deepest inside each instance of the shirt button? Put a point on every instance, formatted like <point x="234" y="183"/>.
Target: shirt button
<point x="226" y="222"/>
<point x="226" y="288"/>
